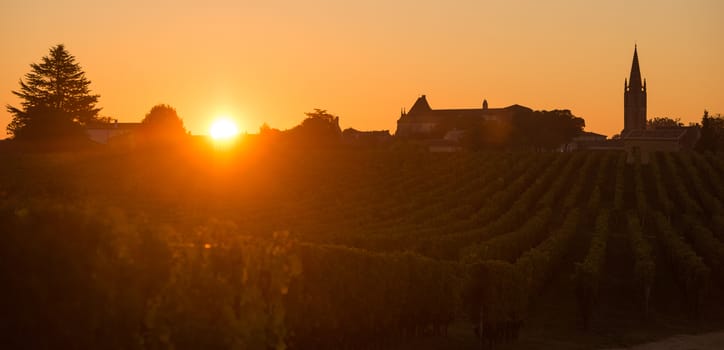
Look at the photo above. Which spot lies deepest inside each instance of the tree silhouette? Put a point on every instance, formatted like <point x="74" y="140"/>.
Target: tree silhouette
<point x="664" y="123"/>
<point x="162" y="123"/>
<point x="56" y="99"/>
<point x="318" y="129"/>
<point x="712" y="133"/>
<point x="544" y="129"/>
<point x="321" y="121"/>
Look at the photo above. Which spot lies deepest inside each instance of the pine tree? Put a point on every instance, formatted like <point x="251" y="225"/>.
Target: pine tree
<point x="56" y="100"/>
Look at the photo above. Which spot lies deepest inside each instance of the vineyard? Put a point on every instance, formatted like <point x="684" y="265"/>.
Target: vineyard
<point x="352" y="249"/>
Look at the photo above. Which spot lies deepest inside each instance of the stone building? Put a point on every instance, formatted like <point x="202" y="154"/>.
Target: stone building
<point x="423" y="122"/>
<point x="639" y="144"/>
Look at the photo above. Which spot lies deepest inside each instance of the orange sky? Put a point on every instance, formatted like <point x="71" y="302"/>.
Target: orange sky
<point x="272" y="60"/>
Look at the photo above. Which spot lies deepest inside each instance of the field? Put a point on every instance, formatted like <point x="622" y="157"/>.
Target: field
<point x="358" y="249"/>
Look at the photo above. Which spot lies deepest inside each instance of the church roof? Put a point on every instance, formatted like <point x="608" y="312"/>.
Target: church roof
<point x="420" y="105"/>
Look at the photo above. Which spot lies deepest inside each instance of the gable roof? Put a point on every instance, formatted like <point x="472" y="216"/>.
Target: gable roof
<point x="420" y="105"/>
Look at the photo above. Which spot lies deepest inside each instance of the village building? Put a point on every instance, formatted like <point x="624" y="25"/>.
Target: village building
<point x="588" y="141"/>
<point x="639" y="144"/>
<point x="115" y="134"/>
<point x="423" y="122"/>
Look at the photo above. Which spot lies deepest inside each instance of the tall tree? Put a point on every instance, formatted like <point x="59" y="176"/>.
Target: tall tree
<point x="56" y="99"/>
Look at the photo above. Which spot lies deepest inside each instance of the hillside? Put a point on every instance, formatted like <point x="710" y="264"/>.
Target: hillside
<point x="359" y="249"/>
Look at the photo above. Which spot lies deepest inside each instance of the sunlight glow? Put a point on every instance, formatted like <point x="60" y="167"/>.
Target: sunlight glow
<point x="223" y="128"/>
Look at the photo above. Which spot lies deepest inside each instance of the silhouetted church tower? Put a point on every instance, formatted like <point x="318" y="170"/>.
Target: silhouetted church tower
<point x="634" y="99"/>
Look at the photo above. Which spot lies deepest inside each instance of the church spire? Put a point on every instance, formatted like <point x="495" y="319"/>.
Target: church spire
<point x="634" y="99"/>
<point x="634" y="79"/>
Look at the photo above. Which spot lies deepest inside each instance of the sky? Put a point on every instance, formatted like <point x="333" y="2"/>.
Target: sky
<point x="270" y="61"/>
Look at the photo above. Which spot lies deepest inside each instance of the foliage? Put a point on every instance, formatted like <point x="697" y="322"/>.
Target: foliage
<point x="56" y="99"/>
<point x="318" y="129"/>
<point x="499" y="294"/>
<point x="545" y="129"/>
<point x="689" y="269"/>
<point x="485" y="134"/>
<point x="588" y="273"/>
<point x="179" y="250"/>
<point x="712" y="133"/>
<point x="366" y="139"/>
<point x="666" y="205"/>
<point x="162" y="124"/>
<point x="618" y="191"/>
<point x="644" y="264"/>
<point x="705" y="242"/>
<point x="536" y="130"/>
<point x="46" y="124"/>
<point x="511" y="245"/>
<point x="97" y="279"/>
<point x="224" y="291"/>
<point x="664" y="123"/>
<point x="684" y="200"/>
<point x="368" y="299"/>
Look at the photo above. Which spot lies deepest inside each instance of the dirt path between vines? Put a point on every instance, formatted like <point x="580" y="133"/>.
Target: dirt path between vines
<point x="707" y="341"/>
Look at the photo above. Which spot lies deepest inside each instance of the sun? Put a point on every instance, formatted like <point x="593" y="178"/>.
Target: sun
<point x="223" y="129"/>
